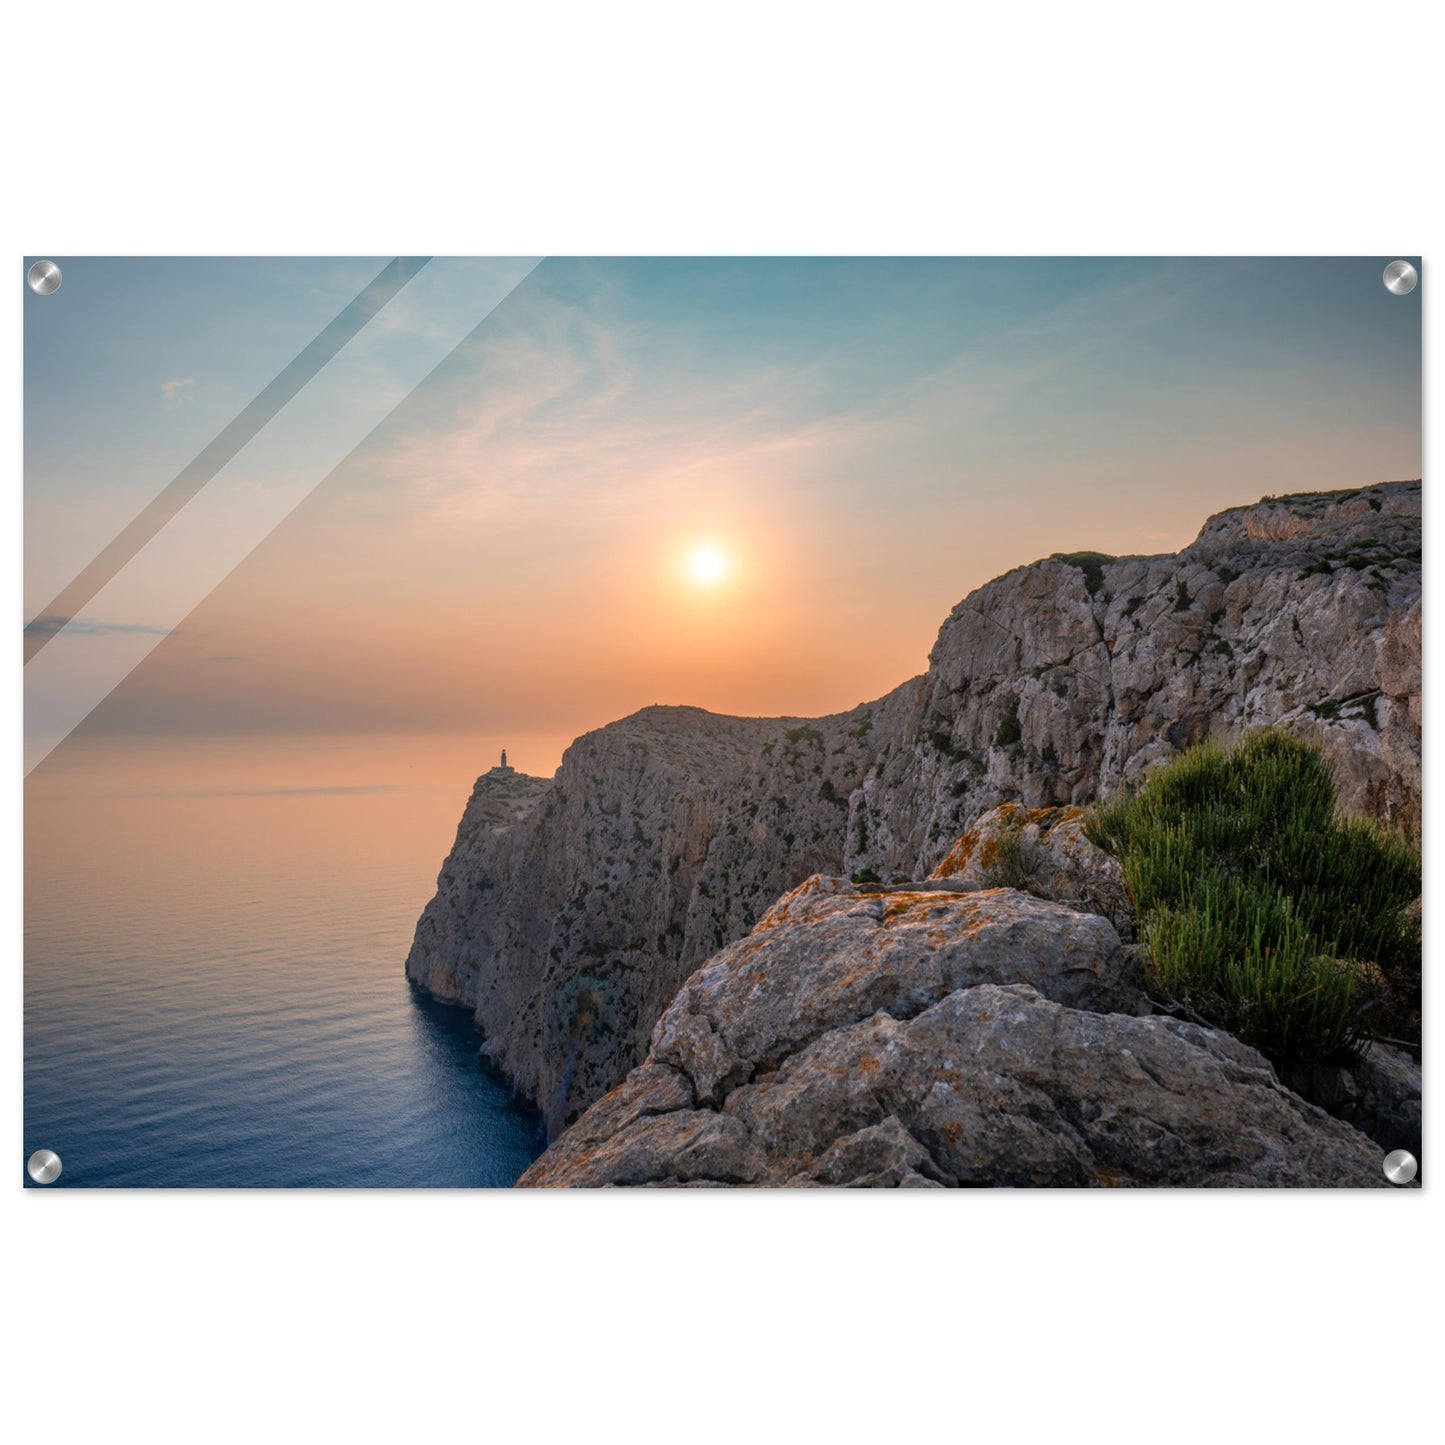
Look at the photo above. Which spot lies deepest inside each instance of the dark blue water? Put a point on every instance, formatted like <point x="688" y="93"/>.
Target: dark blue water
<point x="214" y="992"/>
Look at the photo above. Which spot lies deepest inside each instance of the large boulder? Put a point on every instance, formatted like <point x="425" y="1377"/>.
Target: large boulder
<point x="991" y="1086"/>
<point x="828" y="955"/>
<point x="921" y="1038"/>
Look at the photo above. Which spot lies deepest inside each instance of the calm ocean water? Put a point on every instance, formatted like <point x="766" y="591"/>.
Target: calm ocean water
<point x="213" y="974"/>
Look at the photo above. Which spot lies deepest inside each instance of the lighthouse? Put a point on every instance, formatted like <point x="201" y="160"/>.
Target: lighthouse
<point x="502" y="770"/>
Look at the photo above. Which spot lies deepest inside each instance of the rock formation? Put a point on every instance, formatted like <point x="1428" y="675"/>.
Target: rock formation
<point x="570" y="911"/>
<point x="922" y="1038"/>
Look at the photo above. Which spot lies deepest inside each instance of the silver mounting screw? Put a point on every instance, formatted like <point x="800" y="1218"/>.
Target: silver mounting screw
<point x="44" y="1166"/>
<point x="1400" y="1166"/>
<point x="1400" y="277"/>
<point x="44" y="277"/>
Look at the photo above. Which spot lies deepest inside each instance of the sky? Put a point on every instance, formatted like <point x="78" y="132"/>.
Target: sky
<point x="757" y="486"/>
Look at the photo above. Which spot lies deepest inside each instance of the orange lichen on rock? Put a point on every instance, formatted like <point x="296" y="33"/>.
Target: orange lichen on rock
<point x="959" y="857"/>
<point x="980" y="845"/>
<point x="1049" y="854"/>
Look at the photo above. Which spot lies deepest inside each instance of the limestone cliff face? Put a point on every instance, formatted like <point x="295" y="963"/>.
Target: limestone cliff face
<point x="1072" y="676"/>
<point x="463" y="924"/>
<point x="572" y="910"/>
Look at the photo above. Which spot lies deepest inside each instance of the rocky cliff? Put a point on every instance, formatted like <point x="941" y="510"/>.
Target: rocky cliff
<point x="570" y="911"/>
<point x="1079" y="673"/>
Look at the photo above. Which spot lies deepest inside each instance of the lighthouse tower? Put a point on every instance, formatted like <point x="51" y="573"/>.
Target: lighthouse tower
<point x="502" y="770"/>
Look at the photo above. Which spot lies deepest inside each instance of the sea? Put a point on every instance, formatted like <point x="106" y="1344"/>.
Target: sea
<point x="215" y="934"/>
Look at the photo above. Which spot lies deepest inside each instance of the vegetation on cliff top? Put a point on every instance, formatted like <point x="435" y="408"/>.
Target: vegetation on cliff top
<point x="1092" y="565"/>
<point x="1261" y="909"/>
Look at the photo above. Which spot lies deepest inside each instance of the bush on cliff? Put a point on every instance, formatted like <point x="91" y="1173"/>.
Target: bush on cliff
<point x="1261" y="909"/>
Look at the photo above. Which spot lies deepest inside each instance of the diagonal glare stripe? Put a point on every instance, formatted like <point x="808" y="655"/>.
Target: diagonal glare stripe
<point x="54" y="704"/>
<point x="228" y="442"/>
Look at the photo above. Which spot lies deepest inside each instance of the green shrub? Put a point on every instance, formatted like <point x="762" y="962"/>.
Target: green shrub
<point x="1092" y="565"/>
<point x="1261" y="908"/>
<point x="1009" y="728"/>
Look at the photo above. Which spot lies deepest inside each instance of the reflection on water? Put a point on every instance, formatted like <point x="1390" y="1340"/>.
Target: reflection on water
<point x="213" y="970"/>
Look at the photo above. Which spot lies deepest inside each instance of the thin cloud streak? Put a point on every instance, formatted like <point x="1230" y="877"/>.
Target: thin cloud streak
<point x="87" y="627"/>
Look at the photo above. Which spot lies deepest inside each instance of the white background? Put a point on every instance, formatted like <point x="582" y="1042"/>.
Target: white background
<point x="425" y="128"/>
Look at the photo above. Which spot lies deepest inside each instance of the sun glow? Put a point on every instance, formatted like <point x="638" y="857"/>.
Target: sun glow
<point x="707" y="565"/>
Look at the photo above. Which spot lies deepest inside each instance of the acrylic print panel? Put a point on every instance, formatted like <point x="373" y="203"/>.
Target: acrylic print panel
<point x="878" y="722"/>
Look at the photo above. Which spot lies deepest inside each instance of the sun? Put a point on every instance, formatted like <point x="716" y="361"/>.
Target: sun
<point x="707" y="565"/>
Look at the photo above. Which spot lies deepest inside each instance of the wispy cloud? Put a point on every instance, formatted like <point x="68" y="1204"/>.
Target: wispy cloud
<point x="174" y="390"/>
<point x="559" y="410"/>
<point x="87" y="627"/>
<point x="589" y="407"/>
